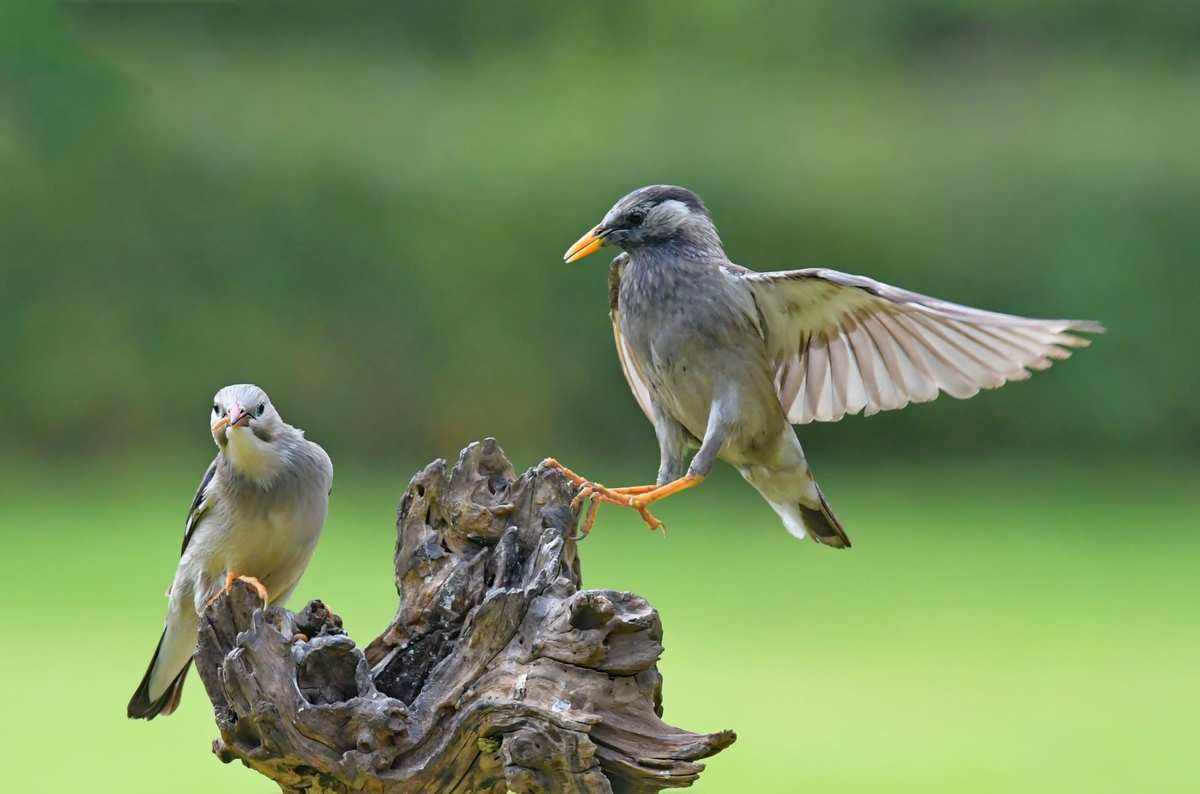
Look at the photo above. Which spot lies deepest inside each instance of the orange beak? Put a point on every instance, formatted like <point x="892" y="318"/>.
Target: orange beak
<point x="590" y="243"/>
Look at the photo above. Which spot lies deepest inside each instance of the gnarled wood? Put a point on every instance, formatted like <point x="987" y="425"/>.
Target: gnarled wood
<point x="497" y="673"/>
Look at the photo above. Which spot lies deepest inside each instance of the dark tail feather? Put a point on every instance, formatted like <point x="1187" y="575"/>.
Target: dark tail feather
<point x="142" y="707"/>
<point x="824" y="526"/>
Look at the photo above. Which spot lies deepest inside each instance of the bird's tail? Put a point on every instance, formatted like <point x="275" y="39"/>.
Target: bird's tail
<point x="162" y="685"/>
<point x="823" y="526"/>
<point x="793" y="494"/>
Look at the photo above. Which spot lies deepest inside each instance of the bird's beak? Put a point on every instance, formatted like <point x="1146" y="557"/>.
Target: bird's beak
<point x="220" y="424"/>
<point x="239" y="417"/>
<point x="590" y="243"/>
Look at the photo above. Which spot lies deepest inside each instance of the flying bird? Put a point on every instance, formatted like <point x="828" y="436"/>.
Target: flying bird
<point x="724" y="359"/>
<point x="256" y="516"/>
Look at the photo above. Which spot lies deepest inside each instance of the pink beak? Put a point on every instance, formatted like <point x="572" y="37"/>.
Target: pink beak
<point x="238" y="416"/>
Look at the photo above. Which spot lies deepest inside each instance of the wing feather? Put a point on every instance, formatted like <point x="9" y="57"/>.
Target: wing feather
<point x="845" y="344"/>
<point x="199" y="505"/>
<point x="630" y="365"/>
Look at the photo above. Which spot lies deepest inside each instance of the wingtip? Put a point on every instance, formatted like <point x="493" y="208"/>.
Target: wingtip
<point x="1088" y="326"/>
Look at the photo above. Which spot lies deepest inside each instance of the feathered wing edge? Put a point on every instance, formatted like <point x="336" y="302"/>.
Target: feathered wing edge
<point x="629" y="364"/>
<point x="846" y="344"/>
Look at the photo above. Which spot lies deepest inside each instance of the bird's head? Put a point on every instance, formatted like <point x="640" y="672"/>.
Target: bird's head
<point x="245" y="426"/>
<point x="652" y="216"/>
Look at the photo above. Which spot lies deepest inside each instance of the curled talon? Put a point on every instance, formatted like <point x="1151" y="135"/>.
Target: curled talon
<point x="585" y="491"/>
<point x="653" y="523"/>
<point x="637" y="497"/>
<point x="590" y="520"/>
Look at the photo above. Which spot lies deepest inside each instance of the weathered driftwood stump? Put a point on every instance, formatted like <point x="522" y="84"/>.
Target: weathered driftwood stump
<point x="497" y="673"/>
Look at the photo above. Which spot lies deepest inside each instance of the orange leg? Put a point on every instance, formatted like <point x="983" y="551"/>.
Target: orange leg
<point x="587" y="488"/>
<point x="633" y="490"/>
<point x="230" y="578"/>
<point x="258" y="586"/>
<point x="638" y="497"/>
<point x="648" y="498"/>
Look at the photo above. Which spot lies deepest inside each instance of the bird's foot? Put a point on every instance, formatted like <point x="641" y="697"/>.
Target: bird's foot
<point x="633" y="490"/>
<point x="232" y="577"/>
<point x="622" y="497"/>
<point x="258" y="586"/>
<point x="647" y="496"/>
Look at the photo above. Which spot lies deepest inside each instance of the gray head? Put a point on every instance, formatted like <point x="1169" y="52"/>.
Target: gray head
<point x="653" y="217"/>
<point x="248" y="430"/>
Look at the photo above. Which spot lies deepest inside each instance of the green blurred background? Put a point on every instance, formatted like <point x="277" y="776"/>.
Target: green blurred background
<point x="363" y="211"/>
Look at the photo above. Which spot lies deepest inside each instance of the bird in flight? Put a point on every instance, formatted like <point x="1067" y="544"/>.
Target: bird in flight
<point x="256" y="516"/>
<point x="724" y="359"/>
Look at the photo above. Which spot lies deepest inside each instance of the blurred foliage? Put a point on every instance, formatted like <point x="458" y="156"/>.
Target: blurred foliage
<point x="364" y="210"/>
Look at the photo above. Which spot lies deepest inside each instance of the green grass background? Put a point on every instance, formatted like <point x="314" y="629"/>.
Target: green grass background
<point x="997" y="628"/>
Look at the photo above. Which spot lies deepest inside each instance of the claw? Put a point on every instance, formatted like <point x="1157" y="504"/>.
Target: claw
<point x="258" y="588"/>
<point x="230" y="578"/>
<point x="590" y="519"/>
<point x="637" y="497"/>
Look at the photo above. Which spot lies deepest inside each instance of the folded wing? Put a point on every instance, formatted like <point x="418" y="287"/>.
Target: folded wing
<point x="629" y="362"/>
<point x="844" y="344"/>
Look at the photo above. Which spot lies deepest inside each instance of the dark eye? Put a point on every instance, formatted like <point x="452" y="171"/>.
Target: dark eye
<point x="216" y="408"/>
<point x="636" y="217"/>
<point x="261" y="407"/>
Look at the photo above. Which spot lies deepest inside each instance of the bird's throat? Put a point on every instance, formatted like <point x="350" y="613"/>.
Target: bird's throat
<point x="250" y="456"/>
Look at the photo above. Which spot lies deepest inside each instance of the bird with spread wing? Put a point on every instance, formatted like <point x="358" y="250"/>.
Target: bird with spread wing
<point x="724" y="360"/>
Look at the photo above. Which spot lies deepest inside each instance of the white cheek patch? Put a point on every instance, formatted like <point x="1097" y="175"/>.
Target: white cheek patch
<point x="670" y="213"/>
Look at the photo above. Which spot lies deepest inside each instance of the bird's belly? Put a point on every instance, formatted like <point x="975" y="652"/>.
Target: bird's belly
<point x="271" y="546"/>
<point x="688" y="395"/>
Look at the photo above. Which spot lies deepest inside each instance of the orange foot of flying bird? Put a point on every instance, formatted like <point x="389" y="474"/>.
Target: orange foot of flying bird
<point x="638" y="497"/>
<point x="232" y="577"/>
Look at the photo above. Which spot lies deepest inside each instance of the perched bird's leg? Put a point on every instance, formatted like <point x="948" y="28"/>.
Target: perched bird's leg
<point x="230" y="576"/>
<point x="258" y="586"/>
<point x="719" y="423"/>
<point x="551" y="463"/>
<point x="633" y="490"/>
<point x="598" y="493"/>
<point x="590" y="519"/>
<point x="233" y="576"/>
<point x="647" y="498"/>
<point x="587" y="488"/>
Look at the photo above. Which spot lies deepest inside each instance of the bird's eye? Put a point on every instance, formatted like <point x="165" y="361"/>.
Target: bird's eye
<point x="261" y="407"/>
<point x="636" y="217"/>
<point x="216" y="409"/>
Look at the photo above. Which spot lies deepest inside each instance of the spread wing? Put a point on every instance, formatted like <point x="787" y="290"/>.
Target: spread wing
<point x="199" y="505"/>
<point x="629" y="362"/>
<point x="841" y="344"/>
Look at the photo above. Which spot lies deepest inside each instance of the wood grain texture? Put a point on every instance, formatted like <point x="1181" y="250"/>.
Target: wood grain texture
<point x="498" y="673"/>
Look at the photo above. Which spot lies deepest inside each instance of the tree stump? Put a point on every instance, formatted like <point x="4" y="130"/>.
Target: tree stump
<point x="498" y="673"/>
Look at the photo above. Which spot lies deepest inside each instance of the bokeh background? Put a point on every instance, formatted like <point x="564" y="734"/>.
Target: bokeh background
<point x="363" y="210"/>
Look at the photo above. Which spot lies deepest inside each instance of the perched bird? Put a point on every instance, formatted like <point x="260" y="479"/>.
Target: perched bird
<point x="726" y="359"/>
<point x="256" y="517"/>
